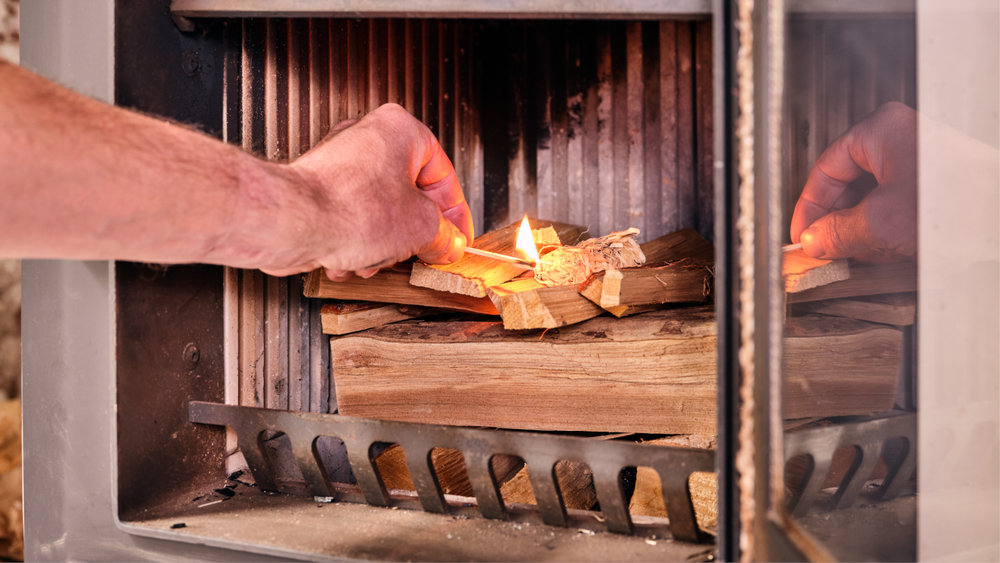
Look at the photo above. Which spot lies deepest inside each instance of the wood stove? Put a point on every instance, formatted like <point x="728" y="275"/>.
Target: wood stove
<point x="609" y="116"/>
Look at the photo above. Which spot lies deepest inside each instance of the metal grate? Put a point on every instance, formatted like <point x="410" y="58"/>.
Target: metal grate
<point x="870" y="439"/>
<point x="539" y="451"/>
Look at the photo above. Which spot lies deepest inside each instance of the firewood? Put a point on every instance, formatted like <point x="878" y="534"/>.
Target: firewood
<point x="576" y="483"/>
<point x="800" y="272"/>
<point x="650" y="373"/>
<point x="892" y="308"/>
<point x="568" y="265"/>
<point x="672" y="282"/>
<point x="472" y="275"/>
<point x="686" y="243"/>
<point x="449" y="465"/>
<point x="679" y="269"/>
<point x="526" y="304"/>
<point x="392" y="285"/>
<point x="647" y="500"/>
<point x="866" y="279"/>
<point x="344" y="317"/>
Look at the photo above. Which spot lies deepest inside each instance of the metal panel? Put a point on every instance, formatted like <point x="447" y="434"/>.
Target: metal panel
<point x="606" y="458"/>
<point x="625" y="9"/>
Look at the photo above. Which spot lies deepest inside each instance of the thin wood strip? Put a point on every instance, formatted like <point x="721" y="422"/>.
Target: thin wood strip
<point x="276" y="91"/>
<point x="446" y="87"/>
<point x="414" y="68"/>
<point x="322" y="398"/>
<point x="299" y="102"/>
<point x="392" y="286"/>
<point x="558" y="111"/>
<point x="298" y="353"/>
<point x="539" y="94"/>
<point x="254" y="55"/>
<point x="378" y="57"/>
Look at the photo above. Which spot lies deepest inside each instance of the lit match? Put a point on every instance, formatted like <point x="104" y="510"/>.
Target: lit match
<point x="513" y="260"/>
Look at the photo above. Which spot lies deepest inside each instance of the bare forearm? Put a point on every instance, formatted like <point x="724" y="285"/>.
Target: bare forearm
<point x="85" y="180"/>
<point x="80" y="179"/>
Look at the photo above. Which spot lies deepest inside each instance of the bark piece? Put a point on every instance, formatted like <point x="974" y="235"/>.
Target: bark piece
<point x="472" y="275"/>
<point x="573" y="264"/>
<point x="652" y="373"/>
<point x="344" y="317"/>
<point x="800" y="272"/>
<point x="526" y="304"/>
<point x="392" y="285"/>
<point x="866" y="279"/>
<point x="892" y="308"/>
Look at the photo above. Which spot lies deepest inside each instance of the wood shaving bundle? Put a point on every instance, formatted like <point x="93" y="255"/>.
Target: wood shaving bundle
<point x="573" y="264"/>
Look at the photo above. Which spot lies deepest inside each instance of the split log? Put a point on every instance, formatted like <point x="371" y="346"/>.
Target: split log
<point x="392" y="285"/>
<point x="866" y="279"/>
<point x="344" y="317"/>
<point x="686" y="243"/>
<point x="892" y="308"/>
<point x="571" y="265"/>
<point x="526" y="304"/>
<point x="576" y="484"/>
<point x="800" y="272"/>
<point x="679" y="269"/>
<point x="683" y="281"/>
<point x="449" y="465"/>
<point x="651" y="373"/>
<point x="472" y="275"/>
<point x="647" y="500"/>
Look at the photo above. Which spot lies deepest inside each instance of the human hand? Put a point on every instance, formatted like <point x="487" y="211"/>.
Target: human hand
<point x="835" y="219"/>
<point x="375" y="192"/>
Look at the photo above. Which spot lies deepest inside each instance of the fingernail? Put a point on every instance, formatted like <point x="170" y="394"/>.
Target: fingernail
<point x="811" y="243"/>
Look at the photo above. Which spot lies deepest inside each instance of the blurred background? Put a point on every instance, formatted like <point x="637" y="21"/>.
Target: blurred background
<point x="11" y="525"/>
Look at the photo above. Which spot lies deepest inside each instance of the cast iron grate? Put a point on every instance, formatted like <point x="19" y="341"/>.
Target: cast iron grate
<point x="362" y="437"/>
<point x="893" y="439"/>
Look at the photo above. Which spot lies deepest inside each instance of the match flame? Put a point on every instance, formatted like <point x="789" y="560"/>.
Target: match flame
<point x="525" y="247"/>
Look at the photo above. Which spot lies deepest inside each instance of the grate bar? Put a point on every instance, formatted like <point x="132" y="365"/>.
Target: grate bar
<point x="869" y="438"/>
<point x="541" y="452"/>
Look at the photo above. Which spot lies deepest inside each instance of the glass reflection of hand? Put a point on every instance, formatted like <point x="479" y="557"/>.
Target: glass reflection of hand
<point x="835" y="219"/>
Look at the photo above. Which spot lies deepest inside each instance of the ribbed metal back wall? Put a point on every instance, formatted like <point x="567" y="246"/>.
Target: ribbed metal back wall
<point x="606" y="124"/>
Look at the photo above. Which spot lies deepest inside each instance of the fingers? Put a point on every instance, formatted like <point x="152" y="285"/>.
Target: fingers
<point x="447" y="247"/>
<point x="438" y="181"/>
<point x="835" y="168"/>
<point x="840" y="234"/>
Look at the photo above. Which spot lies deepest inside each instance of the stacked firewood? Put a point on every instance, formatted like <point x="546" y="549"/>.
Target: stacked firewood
<point x="602" y="336"/>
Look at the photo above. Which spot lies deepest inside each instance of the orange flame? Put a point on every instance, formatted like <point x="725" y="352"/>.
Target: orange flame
<point x="526" y="243"/>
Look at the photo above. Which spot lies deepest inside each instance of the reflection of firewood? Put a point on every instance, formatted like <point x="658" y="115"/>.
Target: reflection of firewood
<point x="678" y="269"/>
<point x="392" y="285"/>
<point x="344" y="317"/>
<point x="573" y="264"/>
<point x="652" y="373"/>
<point x="800" y="271"/>
<point x="472" y="275"/>
<point x="891" y="308"/>
<point x="866" y="279"/>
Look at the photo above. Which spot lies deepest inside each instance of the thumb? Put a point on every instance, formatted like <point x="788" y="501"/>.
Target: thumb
<point x="447" y="247"/>
<point x="841" y="234"/>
